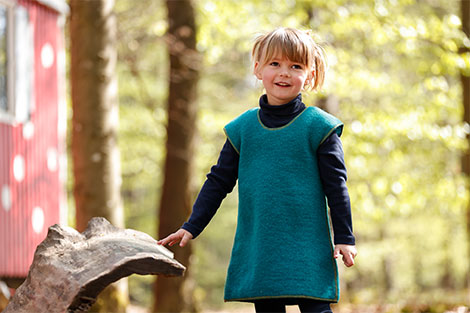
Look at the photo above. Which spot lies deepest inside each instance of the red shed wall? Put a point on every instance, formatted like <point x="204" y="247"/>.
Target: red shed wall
<point x="30" y="152"/>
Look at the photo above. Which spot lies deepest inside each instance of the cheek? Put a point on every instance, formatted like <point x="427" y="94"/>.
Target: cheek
<point x="301" y="80"/>
<point x="267" y="77"/>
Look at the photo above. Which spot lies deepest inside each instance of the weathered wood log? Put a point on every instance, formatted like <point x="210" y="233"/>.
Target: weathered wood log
<point x="70" y="269"/>
<point x="4" y="295"/>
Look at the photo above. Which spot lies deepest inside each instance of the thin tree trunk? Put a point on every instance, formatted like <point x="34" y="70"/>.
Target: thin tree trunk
<point x="387" y="271"/>
<point x="172" y="295"/>
<point x="465" y="11"/>
<point x="95" y="154"/>
<point x="329" y="104"/>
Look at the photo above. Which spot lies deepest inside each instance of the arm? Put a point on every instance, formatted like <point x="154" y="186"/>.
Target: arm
<point x="333" y="176"/>
<point x="220" y="181"/>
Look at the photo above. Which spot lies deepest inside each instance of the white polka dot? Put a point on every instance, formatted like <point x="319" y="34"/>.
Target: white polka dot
<point x="18" y="168"/>
<point x="47" y="55"/>
<point x="6" y="198"/>
<point x="28" y="130"/>
<point x="52" y="159"/>
<point x="37" y="220"/>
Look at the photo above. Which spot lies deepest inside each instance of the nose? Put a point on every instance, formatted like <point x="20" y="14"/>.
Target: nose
<point x="284" y="72"/>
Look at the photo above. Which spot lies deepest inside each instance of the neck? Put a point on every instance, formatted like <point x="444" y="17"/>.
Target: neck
<point x="279" y="115"/>
<point x="287" y="108"/>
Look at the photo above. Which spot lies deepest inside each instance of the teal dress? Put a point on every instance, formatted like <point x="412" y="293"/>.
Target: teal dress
<point x="283" y="246"/>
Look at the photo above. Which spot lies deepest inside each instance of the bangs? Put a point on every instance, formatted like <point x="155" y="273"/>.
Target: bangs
<point x="286" y="43"/>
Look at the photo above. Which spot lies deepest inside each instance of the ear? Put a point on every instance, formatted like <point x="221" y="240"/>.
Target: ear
<point x="257" y="71"/>
<point x="310" y="77"/>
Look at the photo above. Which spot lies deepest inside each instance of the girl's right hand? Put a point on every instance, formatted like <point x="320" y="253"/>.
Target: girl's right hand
<point x="182" y="236"/>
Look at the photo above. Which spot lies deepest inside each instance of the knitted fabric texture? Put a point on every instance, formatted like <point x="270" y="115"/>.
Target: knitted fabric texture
<point x="282" y="245"/>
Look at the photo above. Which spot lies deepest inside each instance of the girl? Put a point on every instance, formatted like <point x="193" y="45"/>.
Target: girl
<point x="287" y="157"/>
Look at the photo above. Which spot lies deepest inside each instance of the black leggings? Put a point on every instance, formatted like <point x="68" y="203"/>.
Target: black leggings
<point x="279" y="305"/>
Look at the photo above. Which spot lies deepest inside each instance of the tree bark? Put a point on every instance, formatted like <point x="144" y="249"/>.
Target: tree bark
<point x="95" y="155"/>
<point x="465" y="79"/>
<point x="171" y="295"/>
<point x="328" y="104"/>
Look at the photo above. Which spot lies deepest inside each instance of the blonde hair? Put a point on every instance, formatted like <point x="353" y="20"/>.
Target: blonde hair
<point x="297" y="46"/>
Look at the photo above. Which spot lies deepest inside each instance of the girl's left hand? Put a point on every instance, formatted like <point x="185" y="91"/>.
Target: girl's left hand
<point x="349" y="253"/>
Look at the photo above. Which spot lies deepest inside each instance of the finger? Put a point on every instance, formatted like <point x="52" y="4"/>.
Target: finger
<point x="352" y="256"/>
<point x="174" y="241"/>
<point x="163" y="241"/>
<point x="336" y="253"/>
<point x="167" y="240"/>
<point x="348" y="259"/>
<point x="185" y="240"/>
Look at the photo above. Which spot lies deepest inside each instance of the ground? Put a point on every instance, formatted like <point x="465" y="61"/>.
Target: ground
<point x="343" y="309"/>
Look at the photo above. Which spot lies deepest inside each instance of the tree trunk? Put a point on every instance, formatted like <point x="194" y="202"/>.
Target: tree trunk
<point x="171" y="295"/>
<point x="329" y="103"/>
<point x="96" y="161"/>
<point x="465" y="11"/>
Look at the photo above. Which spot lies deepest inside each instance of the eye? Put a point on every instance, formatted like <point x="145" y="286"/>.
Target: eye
<point x="274" y="63"/>
<point x="297" y="66"/>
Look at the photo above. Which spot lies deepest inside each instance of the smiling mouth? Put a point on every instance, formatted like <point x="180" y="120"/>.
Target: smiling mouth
<point x="282" y="84"/>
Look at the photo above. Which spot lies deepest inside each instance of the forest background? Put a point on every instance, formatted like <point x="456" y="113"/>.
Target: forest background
<point x="394" y="80"/>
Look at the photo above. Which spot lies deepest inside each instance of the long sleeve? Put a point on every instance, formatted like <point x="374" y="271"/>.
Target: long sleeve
<point x="220" y="181"/>
<point x="333" y="176"/>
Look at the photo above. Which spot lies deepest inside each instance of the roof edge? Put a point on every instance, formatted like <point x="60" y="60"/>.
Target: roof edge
<point x="57" y="5"/>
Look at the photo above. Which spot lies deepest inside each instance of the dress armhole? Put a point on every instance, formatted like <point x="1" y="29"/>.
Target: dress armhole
<point x="337" y="128"/>
<point x="231" y="142"/>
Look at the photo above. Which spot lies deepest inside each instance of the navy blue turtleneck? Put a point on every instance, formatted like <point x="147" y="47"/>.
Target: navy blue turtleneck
<point x="223" y="176"/>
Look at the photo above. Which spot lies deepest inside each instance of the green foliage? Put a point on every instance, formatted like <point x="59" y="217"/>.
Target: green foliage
<point x="394" y="66"/>
<point x="142" y="72"/>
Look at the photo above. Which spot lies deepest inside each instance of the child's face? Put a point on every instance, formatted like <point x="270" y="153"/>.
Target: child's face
<point x="282" y="78"/>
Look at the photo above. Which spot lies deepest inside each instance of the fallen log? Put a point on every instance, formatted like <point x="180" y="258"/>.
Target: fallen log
<point x="70" y="269"/>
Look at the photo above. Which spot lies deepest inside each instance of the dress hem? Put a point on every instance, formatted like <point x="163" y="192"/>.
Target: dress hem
<point x="251" y="299"/>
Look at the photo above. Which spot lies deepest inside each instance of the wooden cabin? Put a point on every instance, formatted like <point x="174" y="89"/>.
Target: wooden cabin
<point x="32" y="128"/>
